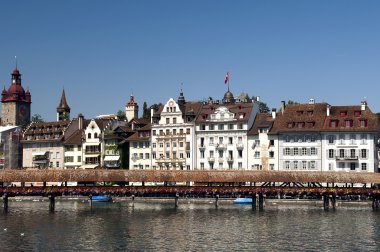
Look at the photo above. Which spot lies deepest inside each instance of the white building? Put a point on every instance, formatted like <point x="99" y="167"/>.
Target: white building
<point x="221" y="134"/>
<point x="173" y="135"/>
<point x="140" y="156"/>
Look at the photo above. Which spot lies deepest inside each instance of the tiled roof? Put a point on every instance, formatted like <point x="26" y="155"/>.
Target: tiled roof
<point x="74" y="139"/>
<point x="348" y="118"/>
<point x="45" y="131"/>
<point x="300" y="118"/>
<point x="242" y="111"/>
<point x="262" y="120"/>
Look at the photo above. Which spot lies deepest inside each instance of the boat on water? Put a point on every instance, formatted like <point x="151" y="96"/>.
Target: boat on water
<point x="101" y="198"/>
<point x="243" y="201"/>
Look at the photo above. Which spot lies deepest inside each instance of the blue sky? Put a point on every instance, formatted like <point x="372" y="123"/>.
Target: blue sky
<point x="102" y="51"/>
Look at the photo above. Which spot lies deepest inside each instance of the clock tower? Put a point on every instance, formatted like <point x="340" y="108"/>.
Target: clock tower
<point x="16" y="102"/>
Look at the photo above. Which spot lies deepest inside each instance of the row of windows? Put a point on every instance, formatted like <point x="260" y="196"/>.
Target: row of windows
<point x="346" y="138"/>
<point x="260" y="167"/>
<point x="300" y="138"/>
<point x="167" y="144"/>
<point x="173" y="132"/>
<point x="141" y="167"/>
<point x="140" y="156"/>
<point x="70" y="159"/>
<point x="348" y="123"/>
<point x="89" y="135"/>
<point x="353" y="166"/>
<point x="347" y="153"/>
<point x="174" y="120"/>
<point x="230" y="140"/>
<point x="257" y="154"/>
<point x="300" y="151"/>
<point x="140" y="145"/>
<point x="168" y="156"/>
<point x="221" y="165"/>
<point x="229" y="126"/>
<point x="300" y="165"/>
<point x="221" y="154"/>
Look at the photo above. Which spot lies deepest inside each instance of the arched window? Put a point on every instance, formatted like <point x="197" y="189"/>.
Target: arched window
<point x="96" y="135"/>
<point x="89" y="135"/>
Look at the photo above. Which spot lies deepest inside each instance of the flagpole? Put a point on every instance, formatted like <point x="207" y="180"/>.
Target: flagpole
<point x="228" y="81"/>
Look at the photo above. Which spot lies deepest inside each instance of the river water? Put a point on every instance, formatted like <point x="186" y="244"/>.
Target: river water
<point x="147" y="226"/>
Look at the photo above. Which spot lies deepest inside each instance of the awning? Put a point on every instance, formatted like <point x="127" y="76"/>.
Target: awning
<point x="111" y="158"/>
<point x="39" y="153"/>
<point x="89" y="166"/>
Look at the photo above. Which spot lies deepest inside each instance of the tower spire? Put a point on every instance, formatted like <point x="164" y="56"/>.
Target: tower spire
<point x="63" y="109"/>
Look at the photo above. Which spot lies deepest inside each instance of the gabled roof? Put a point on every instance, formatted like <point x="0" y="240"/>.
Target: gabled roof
<point x="74" y="139"/>
<point x="63" y="106"/>
<point x="45" y="131"/>
<point x="242" y="111"/>
<point x="262" y="120"/>
<point x="300" y="118"/>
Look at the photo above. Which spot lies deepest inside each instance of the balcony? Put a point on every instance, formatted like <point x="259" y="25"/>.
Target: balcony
<point x="211" y="159"/>
<point x="220" y="146"/>
<point x="230" y="159"/>
<point x="346" y="158"/>
<point x="239" y="146"/>
<point x="170" y="136"/>
<point x="202" y="146"/>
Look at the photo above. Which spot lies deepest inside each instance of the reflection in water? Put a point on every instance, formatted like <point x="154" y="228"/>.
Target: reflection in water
<point x="191" y="227"/>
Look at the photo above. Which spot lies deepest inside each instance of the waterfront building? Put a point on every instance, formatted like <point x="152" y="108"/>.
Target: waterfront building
<point x="93" y="143"/>
<point x="350" y="139"/>
<point x="298" y="128"/>
<point x="173" y="134"/>
<point x="221" y="133"/>
<point x="63" y="109"/>
<point x="262" y="146"/>
<point x="16" y="103"/>
<point x="140" y="156"/>
<point x="10" y="147"/>
<point x="43" y="145"/>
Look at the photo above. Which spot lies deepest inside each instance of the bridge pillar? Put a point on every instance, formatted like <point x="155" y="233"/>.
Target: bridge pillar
<point x="261" y="201"/>
<point x="51" y="202"/>
<point x="5" y="202"/>
<point x="375" y="203"/>
<point x="326" y="202"/>
<point x="176" y="200"/>
<point x="333" y="201"/>
<point x="44" y="184"/>
<point x="217" y="200"/>
<point x="254" y="201"/>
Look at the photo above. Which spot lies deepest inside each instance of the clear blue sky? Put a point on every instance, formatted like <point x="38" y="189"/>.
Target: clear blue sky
<point x="102" y="51"/>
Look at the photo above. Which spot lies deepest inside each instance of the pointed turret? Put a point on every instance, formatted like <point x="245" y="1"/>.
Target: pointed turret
<point x="131" y="109"/>
<point x="63" y="109"/>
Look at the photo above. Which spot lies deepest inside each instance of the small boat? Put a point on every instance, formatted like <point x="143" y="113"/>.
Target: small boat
<point x="243" y="201"/>
<point x="101" y="198"/>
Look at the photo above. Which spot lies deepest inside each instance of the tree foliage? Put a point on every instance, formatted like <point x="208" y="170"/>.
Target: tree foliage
<point x="37" y="118"/>
<point x="263" y="107"/>
<point x="291" y="102"/>
<point x="121" y="115"/>
<point x="146" y="111"/>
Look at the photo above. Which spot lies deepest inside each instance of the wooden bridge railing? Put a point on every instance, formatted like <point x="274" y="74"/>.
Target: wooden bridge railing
<point x="225" y="176"/>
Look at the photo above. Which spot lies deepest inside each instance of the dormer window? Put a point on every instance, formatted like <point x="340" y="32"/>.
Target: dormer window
<point x="95" y="135"/>
<point x="290" y="125"/>
<point x="301" y="125"/>
<point x="357" y="113"/>
<point x="363" y="123"/>
<point x="310" y="113"/>
<point x="89" y="135"/>
<point x="310" y="124"/>
<point x="299" y="112"/>
<point x="343" y="113"/>
<point x="348" y="123"/>
<point x="334" y="123"/>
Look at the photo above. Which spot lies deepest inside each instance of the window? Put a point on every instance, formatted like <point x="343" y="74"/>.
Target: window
<point x="167" y="154"/>
<point x="69" y="148"/>
<point x="180" y="144"/>
<point x="161" y="145"/>
<point x="331" y="153"/>
<point x="363" y="123"/>
<point x="220" y="165"/>
<point x="304" y="151"/>
<point x="287" y="165"/>
<point x="220" y="140"/>
<point x="331" y="166"/>
<point x="146" y="155"/>
<point x="310" y="113"/>
<point x="295" y="165"/>
<point x="202" y="127"/>
<point x="154" y="132"/>
<point x="79" y="158"/>
<point x="211" y="141"/>
<point x="364" y="166"/>
<point x="202" y="154"/>
<point x="290" y="125"/>
<point x="353" y="139"/>
<point x="58" y="155"/>
<point x="79" y="148"/>
<point x="221" y="127"/>
<point x="69" y="159"/>
<point x="212" y="127"/>
<point x="230" y="140"/>
<point x="202" y="165"/>
<point x="313" y="151"/>
<point x="271" y="166"/>
<point x="363" y="153"/>
<point x="312" y="165"/>
<point x="271" y="154"/>
<point x="95" y="135"/>
<point x="257" y="154"/>
<point x="188" y="155"/>
<point x="352" y="166"/>
<point x="240" y="126"/>
<point x="352" y="153"/>
<point x="154" y="155"/>
<point x="174" y="144"/>
<point x="348" y="123"/>
<point x="341" y="153"/>
<point x="141" y="145"/>
<point x="188" y="131"/>
<point x="168" y="145"/>
<point x="211" y="154"/>
<point x="220" y="153"/>
<point x="167" y="132"/>
<point x="295" y="152"/>
<point x="153" y="145"/>
<point x="343" y="113"/>
<point x="174" y="120"/>
<point x="240" y="153"/>
<point x="287" y="151"/>
<point x="240" y="165"/>
<point x="141" y="156"/>
<point x="181" y="131"/>
<point x="334" y="123"/>
<point x="341" y="139"/>
<point x="363" y="138"/>
<point x="304" y="165"/>
<point x="230" y="126"/>
<point x="357" y="113"/>
<point x="301" y="125"/>
<point x="331" y="139"/>
<point x="57" y="164"/>
<point x="180" y="155"/>
<point x="89" y="135"/>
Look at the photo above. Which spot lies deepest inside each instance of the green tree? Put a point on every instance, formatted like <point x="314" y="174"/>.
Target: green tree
<point x="121" y="115"/>
<point x="37" y="118"/>
<point x="146" y="111"/>
<point x="263" y="107"/>
<point x="290" y="102"/>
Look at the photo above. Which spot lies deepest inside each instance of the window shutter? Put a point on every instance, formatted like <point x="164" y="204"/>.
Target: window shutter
<point x="365" y="123"/>
<point x="351" y="123"/>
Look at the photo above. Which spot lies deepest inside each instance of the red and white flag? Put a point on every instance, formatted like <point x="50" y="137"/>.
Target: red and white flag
<point x="227" y="77"/>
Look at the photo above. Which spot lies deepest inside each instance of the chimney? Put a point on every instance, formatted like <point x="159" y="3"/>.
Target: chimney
<point x="258" y="98"/>
<point x="151" y="115"/>
<point x="273" y="113"/>
<point x="80" y="121"/>
<point x="328" y="107"/>
<point x="364" y="105"/>
<point x="282" y="107"/>
<point x="311" y="101"/>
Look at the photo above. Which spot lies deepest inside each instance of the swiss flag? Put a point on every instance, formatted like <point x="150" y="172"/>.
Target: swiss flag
<point x="227" y="77"/>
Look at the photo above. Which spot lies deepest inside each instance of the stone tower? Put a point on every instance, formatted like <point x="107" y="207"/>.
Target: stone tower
<point x="63" y="109"/>
<point x="16" y="103"/>
<point x="131" y="109"/>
